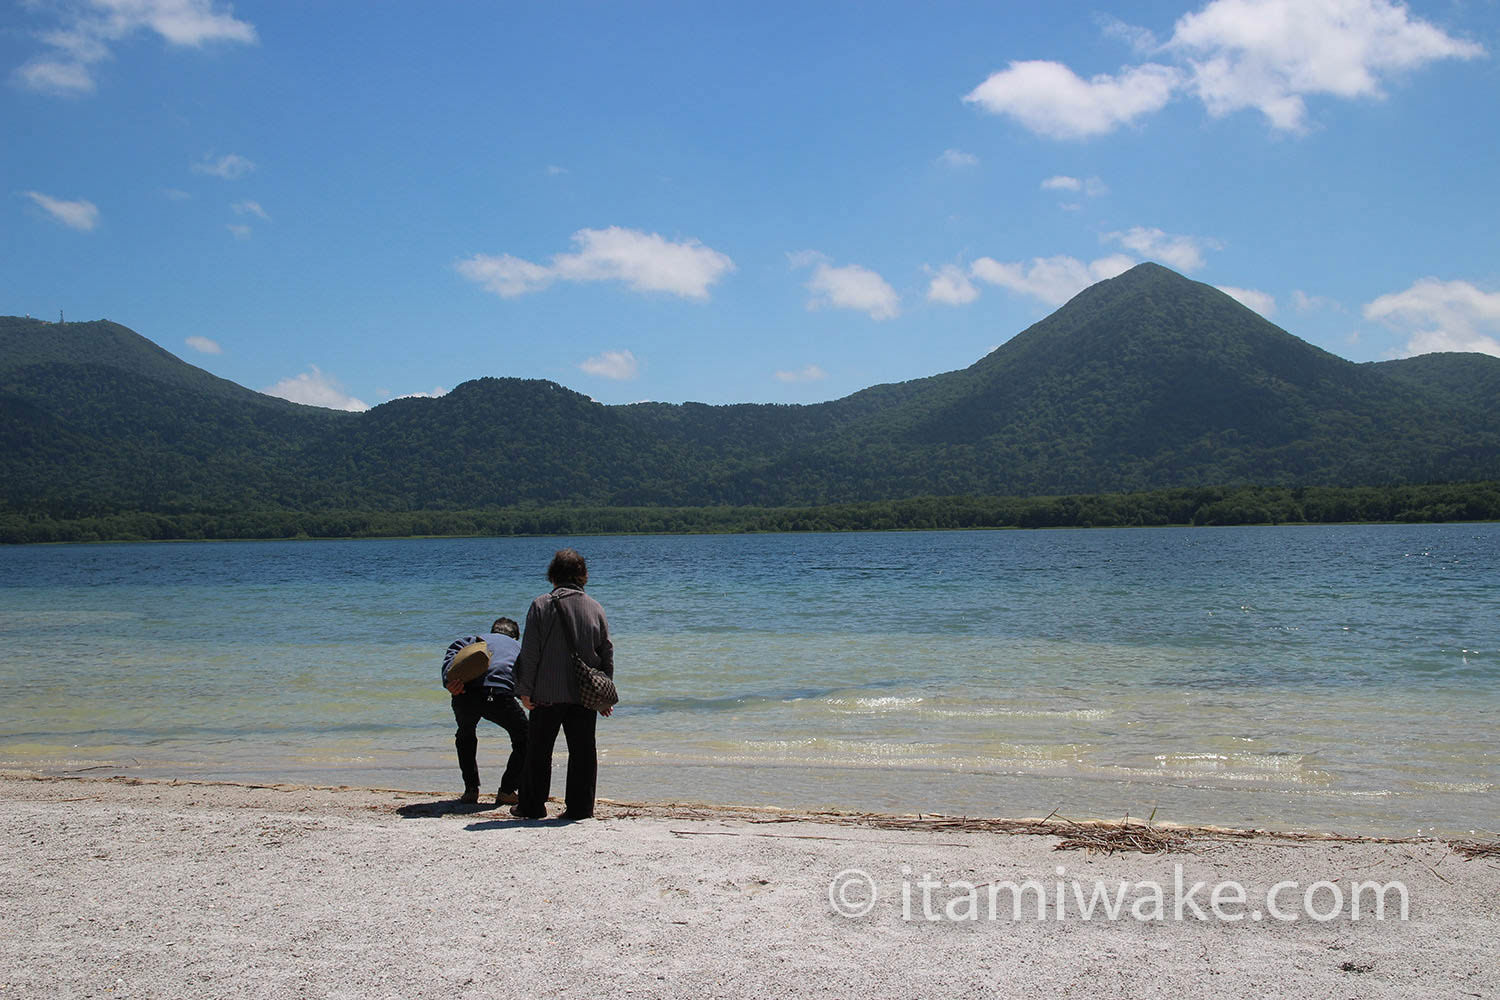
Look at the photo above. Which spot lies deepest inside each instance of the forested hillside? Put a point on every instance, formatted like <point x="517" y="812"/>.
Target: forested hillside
<point x="1147" y="381"/>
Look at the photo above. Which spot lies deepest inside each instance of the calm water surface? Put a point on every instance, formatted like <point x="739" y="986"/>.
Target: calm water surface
<point x="1319" y="677"/>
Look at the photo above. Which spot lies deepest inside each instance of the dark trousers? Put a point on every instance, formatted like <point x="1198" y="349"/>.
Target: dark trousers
<point x="577" y="725"/>
<point x="504" y="711"/>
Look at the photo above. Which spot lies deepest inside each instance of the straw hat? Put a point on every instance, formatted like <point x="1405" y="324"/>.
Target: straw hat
<point x="470" y="662"/>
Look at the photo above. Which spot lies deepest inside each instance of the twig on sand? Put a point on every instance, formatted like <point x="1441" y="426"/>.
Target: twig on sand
<point x="1471" y="849"/>
<point x="794" y="836"/>
<point x="1127" y="836"/>
<point x="1435" y="873"/>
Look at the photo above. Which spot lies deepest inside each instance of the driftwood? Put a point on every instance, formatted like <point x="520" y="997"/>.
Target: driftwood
<point x="1471" y="849"/>
<point x="1101" y="836"/>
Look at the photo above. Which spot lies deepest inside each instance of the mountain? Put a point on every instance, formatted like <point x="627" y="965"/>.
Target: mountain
<point x="97" y="419"/>
<point x="1471" y="380"/>
<point x="1150" y="380"/>
<point x="1144" y="381"/>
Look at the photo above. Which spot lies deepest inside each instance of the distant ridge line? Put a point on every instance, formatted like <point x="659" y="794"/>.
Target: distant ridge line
<point x="1143" y="382"/>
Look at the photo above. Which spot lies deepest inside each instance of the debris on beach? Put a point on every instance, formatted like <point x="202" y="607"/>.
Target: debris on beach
<point x="1110" y="838"/>
<point x="1472" y="849"/>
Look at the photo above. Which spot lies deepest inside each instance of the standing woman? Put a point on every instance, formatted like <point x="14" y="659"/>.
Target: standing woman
<point x="549" y="691"/>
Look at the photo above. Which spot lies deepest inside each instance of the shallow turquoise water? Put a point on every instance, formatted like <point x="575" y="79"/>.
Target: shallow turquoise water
<point x="1324" y="677"/>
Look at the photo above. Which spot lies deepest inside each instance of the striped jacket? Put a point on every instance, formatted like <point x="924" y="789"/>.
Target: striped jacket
<point x="543" y="670"/>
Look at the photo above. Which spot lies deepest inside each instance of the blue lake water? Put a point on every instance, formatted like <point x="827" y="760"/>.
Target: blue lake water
<point x="1334" y="678"/>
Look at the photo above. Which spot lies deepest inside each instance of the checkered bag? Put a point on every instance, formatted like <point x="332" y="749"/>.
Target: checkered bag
<point x="596" y="689"/>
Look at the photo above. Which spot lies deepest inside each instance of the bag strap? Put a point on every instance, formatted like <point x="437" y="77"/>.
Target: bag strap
<point x="557" y="608"/>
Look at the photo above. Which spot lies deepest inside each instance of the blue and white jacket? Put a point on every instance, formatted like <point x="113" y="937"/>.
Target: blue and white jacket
<point x="503" y="649"/>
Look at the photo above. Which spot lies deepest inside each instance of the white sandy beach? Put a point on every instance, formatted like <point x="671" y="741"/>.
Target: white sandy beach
<point x="126" y="888"/>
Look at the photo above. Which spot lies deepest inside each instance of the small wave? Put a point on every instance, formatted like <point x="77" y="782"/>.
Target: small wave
<point x="1019" y="713"/>
<point x="1190" y="759"/>
<point x="1270" y="761"/>
<point x="881" y="704"/>
<point x="1274" y="762"/>
<point x="780" y="744"/>
<point x="1060" y="713"/>
<point x="1223" y="772"/>
<point x="1459" y="787"/>
<point x="826" y="750"/>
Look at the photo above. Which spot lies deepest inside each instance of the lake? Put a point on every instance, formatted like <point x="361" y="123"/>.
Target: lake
<point x="1320" y="677"/>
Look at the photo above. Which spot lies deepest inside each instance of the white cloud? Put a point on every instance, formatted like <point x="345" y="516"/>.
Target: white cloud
<point x="437" y="391"/>
<point x="1054" y="280"/>
<point x="80" y="215"/>
<point x="1303" y="302"/>
<point x="1139" y="39"/>
<point x="505" y="275"/>
<point x="89" y="31"/>
<point x="203" y="345"/>
<point x="1270" y="54"/>
<point x="190" y="23"/>
<point x="951" y="286"/>
<point x="1441" y="316"/>
<point x="805" y="258"/>
<point x="1231" y="54"/>
<point x="55" y="77"/>
<point x="1443" y="341"/>
<point x="239" y="232"/>
<point x="555" y="171"/>
<point x="176" y="194"/>
<point x="618" y="365"/>
<point x="1185" y="253"/>
<point x="847" y="287"/>
<point x="812" y="373"/>
<point x="230" y="167"/>
<point x="1262" y="302"/>
<point x="316" y="389"/>
<point x="1052" y="100"/>
<point x="645" y="262"/>
<point x="250" y="208"/>
<point x="957" y="158"/>
<point x="1092" y="187"/>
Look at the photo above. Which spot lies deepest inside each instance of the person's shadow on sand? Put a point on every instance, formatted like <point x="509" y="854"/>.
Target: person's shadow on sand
<point x="510" y="823"/>
<point x="452" y="807"/>
<point x="443" y="807"/>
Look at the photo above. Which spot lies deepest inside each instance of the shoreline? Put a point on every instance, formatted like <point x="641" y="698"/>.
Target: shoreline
<point x="844" y="790"/>
<point x="1104" y="835"/>
<point x="1174" y="835"/>
<point x="156" y="888"/>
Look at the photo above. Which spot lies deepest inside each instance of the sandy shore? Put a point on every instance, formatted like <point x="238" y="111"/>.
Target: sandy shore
<point x="127" y="888"/>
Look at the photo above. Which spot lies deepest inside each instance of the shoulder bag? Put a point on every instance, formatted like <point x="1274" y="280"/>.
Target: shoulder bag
<point x="596" y="689"/>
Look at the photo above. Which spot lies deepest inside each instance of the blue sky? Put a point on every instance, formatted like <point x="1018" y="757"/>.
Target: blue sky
<point x="346" y="202"/>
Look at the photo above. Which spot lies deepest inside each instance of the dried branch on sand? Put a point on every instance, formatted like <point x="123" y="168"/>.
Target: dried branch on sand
<point x="1471" y="849"/>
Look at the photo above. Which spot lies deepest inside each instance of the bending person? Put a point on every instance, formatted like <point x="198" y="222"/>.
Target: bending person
<point x="548" y="689"/>
<point x="487" y="696"/>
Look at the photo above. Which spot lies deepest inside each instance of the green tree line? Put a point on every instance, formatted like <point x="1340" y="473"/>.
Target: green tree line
<point x="1224" y="505"/>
